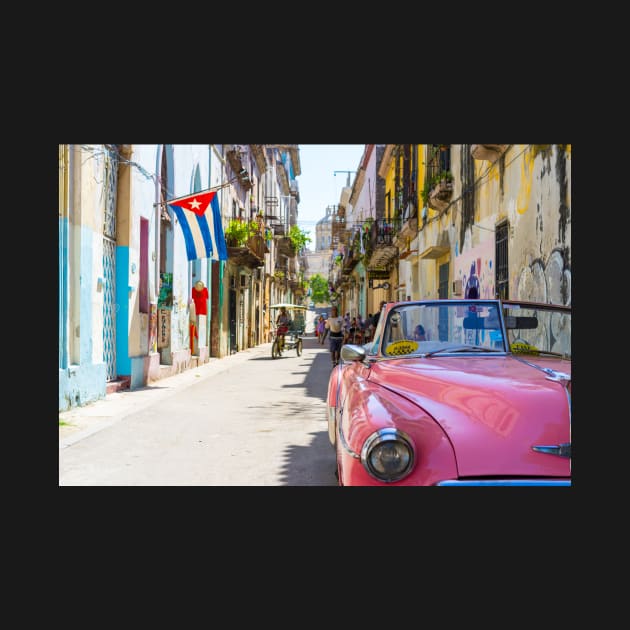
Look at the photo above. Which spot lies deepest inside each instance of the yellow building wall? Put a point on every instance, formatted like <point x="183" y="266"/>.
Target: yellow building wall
<point x="433" y="230"/>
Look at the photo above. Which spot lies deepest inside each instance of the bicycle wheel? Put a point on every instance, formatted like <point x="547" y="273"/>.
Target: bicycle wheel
<point x="275" y="351"/>
<point x="298" y="347"/>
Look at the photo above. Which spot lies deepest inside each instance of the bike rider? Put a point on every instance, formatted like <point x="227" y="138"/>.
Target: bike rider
<point x="282" y="323"/>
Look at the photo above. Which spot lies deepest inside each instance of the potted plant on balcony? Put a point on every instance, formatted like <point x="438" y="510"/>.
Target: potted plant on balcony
<point x="440" y="191"/>
<point x="238" y="231"/>
<point x="446" y="179"/>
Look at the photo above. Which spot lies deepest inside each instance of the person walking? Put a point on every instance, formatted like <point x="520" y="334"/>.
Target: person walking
<point x="334" y="324"/>
<point x="325" y="333"/>
<point x="321" y="327"/>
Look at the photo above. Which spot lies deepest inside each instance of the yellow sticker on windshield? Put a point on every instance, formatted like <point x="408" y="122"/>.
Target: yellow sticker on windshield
<point x="404" y="346"/>
<point x="523" y="348"/>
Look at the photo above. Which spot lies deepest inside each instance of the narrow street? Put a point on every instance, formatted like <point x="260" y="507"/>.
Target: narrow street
<point x="245" y="420"/>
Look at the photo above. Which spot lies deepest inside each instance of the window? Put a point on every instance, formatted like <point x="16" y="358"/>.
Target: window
<point x="143" y="284"/>
<point x="501" y="261"/>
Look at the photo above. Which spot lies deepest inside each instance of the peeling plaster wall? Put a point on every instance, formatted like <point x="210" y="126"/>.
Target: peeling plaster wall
<point x="530" y="187"/>
<point x="540" y="243"/>
<point x="83" y="379"/>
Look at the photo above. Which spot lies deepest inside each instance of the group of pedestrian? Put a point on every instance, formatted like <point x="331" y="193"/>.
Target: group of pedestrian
<point x="343" y="330"/>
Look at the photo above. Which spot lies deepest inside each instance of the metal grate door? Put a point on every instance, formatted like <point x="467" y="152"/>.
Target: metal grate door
<point x="502" y="278"/>
<point x="109" y="266"/>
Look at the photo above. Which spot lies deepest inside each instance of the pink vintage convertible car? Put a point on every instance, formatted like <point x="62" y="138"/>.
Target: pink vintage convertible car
<point x="456" y="393"/>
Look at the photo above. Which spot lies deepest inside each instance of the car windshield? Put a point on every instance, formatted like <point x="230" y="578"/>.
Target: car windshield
<point x="444" y="327"/>
<point x="538" y="329"/>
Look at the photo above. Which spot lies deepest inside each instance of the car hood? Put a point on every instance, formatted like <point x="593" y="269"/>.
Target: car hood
<point x="493" y="410"/>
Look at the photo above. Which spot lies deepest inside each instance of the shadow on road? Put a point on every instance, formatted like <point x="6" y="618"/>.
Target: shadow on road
<point x="316" y="377"/>
<point x="312" y="465"/>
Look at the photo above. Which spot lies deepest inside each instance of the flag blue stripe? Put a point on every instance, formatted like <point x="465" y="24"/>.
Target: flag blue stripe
<point x="219" y="237"/>
<point x="191" y="250"/>
<point x="205" y="233"/>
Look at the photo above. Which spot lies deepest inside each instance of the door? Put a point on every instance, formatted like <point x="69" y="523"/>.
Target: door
<point x="109" y="266"/>
<point x="232" y="315"/>
<point x="443" y="295"/>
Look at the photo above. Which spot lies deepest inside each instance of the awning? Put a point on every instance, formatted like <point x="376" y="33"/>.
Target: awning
<point x="288" y="306"/>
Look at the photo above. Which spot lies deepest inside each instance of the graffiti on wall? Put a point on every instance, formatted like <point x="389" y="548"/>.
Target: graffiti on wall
<point x="164" y="328"/>
<point x="153" y="328"/>
<point x="549" y="283"/>
<point x="475" y="270"/>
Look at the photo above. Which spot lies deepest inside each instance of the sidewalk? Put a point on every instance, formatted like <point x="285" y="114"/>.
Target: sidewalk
<point x="88" y="419"/>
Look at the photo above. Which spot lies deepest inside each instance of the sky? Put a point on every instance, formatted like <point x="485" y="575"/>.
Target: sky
<point x="318" y="185"/>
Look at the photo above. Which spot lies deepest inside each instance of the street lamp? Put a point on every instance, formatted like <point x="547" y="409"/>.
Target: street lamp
<point x="349" y="173"/>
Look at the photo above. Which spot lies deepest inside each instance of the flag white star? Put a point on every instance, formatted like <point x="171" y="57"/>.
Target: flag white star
<point x="195" y="204"/>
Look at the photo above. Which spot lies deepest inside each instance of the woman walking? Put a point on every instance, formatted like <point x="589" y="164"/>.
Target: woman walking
<point x="334" y="324"/>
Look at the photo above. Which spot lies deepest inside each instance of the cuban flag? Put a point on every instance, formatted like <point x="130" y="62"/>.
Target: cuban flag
<point x="200" y="218"/>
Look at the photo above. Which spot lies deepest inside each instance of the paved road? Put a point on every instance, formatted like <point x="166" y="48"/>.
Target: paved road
<point x="245" y="420"/>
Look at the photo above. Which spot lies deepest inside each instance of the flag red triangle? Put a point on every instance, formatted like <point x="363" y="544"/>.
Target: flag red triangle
<point x="197" y="202"/>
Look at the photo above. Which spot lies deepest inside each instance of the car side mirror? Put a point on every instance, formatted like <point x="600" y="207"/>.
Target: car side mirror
<point x="352" y="352"/>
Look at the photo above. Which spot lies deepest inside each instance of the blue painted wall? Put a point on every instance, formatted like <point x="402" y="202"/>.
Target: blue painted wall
<point x="82" y="383"/>
<point x="123" y="362"/>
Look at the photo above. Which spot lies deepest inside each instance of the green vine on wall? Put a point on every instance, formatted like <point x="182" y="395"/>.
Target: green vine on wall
<point x="447" y="176"/>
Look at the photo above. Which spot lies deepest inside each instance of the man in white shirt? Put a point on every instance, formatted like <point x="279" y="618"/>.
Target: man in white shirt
<point x="334" y="324"/>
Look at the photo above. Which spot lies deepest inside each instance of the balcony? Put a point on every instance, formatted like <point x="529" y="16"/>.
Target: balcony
<point x="282" y="177"/>
<point x="490" y="152"/>
<point x="349" y="261"/>
<point x="338" y="225"/>
<point x="335" y="275"/>
<point x="293" y="281"/>
<point x="235" y="161"/>
<point x="409" y="228"/>
<point x="258" y="151"/>
<point x="295" y="190"/>
<point x="284" y="246"/>
<point x="440" y="195"/>
<point x="252" y="254"/>
<point x="382" y="242"/>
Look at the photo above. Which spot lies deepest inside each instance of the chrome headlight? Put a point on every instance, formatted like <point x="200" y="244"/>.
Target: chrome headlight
<point x="388" y="455"/>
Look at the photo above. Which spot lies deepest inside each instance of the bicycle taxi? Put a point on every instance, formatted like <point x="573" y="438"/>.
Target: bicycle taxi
<point x="293" y="338"/>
